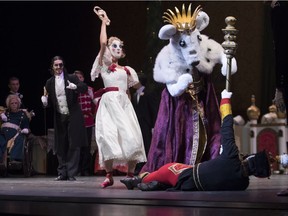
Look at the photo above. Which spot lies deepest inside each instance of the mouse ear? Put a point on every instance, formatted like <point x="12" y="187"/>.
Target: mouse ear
<point x="202" y="20"/>
<point x="167" y="32"/>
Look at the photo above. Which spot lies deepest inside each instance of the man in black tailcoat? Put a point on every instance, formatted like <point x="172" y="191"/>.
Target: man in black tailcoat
<point x="61" y="92"/>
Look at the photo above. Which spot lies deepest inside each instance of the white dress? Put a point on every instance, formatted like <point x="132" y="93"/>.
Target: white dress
<point x="117" y="131"/>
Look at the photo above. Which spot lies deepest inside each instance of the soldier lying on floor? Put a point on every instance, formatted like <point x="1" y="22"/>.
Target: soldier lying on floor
<point x="226" y="172"/>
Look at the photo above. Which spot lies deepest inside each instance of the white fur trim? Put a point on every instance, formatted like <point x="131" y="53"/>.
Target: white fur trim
<point x="178" y="88"/>
<point x="170" y="63"/>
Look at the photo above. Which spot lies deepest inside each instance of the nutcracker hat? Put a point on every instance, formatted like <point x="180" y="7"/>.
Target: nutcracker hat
<point x="259" y="164"/>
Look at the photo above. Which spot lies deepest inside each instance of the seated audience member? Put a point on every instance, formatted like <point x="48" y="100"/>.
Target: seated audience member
<point x="15" y="124"/>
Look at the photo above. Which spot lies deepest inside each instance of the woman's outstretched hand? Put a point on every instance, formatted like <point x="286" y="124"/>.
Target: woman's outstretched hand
<point x="102" y="15"/>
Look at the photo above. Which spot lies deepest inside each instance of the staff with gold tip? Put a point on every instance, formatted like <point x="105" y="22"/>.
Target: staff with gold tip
<point x="229" y="45"/>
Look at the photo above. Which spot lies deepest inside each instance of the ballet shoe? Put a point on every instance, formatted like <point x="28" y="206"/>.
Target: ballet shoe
<point x="107" y="182"/>
<point x="102" y="15"/>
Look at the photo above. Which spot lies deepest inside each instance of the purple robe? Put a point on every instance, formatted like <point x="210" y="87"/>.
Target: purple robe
<point x="173" y="134"/>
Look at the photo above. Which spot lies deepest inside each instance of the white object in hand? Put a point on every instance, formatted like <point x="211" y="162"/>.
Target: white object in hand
<point x="71" y="85"/>
<point x="101" y="14"/>
<point x="44" y="100"/>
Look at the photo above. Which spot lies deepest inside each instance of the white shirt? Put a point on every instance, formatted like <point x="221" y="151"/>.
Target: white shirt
<point x="60" y="94"/>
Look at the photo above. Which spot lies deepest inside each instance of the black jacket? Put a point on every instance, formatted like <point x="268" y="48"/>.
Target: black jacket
<point x="222" y="173"/>
<point x="77" y="130"/>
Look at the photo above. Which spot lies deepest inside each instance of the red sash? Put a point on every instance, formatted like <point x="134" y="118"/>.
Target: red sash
<point x="102" y="91"/>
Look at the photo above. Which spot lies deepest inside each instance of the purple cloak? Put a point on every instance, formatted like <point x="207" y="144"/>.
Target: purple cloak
<point x="174" y="130"/>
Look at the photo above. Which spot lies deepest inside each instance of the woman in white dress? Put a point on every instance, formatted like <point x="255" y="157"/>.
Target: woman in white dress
<point x="117" y="130"/>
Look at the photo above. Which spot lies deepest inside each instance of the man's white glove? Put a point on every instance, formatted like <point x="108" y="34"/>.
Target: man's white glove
<point x="3" y="117"/>
<point x="226" y="94"/>
<point x="44" y="100"/>
<point x="71" y="85"/>
<point x="25" y="131"/>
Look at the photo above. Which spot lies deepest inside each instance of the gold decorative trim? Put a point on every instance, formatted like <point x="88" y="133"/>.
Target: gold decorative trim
<point x="184" y="21"/>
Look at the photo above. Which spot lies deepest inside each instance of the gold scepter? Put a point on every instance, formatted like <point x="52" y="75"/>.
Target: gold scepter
<point x="229" y="45"/>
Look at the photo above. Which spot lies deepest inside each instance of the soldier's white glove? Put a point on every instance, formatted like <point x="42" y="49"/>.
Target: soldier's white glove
<point x="25" y="131"/>
<point x="71" y="85"/>
<point x="226" y="94"/>
<point x="44" y="100"/>
<point x="3" y="117"/>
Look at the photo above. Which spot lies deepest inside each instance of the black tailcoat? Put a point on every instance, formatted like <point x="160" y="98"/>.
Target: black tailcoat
<point x="76" y="130"/>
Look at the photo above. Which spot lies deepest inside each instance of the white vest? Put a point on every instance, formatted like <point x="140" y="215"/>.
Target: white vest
<point x="60" y="94"/>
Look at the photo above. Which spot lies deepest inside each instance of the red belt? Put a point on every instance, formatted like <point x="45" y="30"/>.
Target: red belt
<point x="100" y="92"/>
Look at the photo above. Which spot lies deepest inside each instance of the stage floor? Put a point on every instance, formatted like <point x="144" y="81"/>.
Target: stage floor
<point x="40" y="195"/>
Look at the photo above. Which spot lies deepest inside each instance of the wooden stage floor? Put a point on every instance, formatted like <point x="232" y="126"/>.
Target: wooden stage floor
<point x="40" y="195"/>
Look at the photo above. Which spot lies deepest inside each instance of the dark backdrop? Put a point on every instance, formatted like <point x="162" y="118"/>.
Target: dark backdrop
<point x="31" y="33"/>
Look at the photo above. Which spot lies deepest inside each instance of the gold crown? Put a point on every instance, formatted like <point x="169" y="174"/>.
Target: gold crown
<point x="184" y="21"/>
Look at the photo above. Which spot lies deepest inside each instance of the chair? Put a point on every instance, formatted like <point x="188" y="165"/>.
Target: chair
<point x="24" y="166"/>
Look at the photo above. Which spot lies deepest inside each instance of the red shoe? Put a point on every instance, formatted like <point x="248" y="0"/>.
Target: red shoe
<point x="107" y="182"/>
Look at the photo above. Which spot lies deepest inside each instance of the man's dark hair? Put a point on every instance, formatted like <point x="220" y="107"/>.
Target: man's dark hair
<point x="52" y="62"/>
<point x="13" y="78"/>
